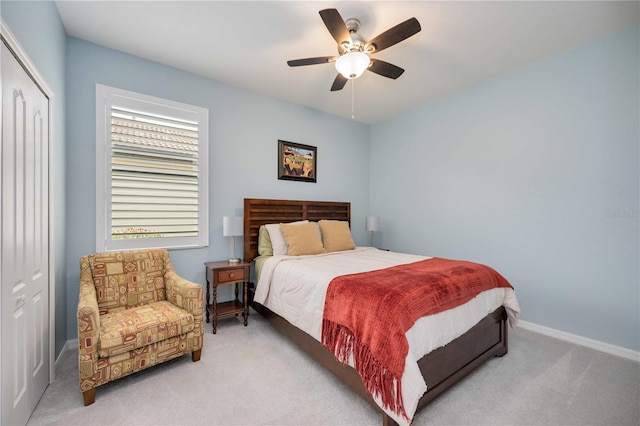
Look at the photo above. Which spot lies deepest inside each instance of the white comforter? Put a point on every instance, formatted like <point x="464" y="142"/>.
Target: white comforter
<point x="294" y="287"/>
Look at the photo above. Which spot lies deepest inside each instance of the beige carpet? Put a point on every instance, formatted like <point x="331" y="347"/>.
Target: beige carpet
<point x="254" y="376"/>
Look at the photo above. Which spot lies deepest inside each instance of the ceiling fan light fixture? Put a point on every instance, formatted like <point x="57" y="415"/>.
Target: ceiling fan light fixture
<point x="352" y="64"/>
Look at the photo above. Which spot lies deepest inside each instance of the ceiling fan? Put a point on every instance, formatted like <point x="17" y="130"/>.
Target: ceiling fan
<point x="355" y="52"/>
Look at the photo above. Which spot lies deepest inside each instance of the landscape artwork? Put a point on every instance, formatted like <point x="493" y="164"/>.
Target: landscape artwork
<point x="297" y="161"/>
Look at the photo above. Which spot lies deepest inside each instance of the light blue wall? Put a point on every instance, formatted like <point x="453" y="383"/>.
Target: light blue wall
<point x="244" y="128"/>
<point x="535" y="173"/>
<point x="38" y="29"/>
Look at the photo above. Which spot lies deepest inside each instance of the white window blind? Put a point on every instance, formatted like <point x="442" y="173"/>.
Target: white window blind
<point x="153" y="179"/>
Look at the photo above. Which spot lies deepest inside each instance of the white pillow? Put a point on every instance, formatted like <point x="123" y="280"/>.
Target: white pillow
<point x="277" y="237"/>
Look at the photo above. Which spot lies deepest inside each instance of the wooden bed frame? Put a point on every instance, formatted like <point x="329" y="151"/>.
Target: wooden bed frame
<point x="441" y="368"/>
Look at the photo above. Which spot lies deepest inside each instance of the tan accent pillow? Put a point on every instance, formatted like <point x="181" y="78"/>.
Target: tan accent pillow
<point x="302" y="239"/>
<point x="278" y="244"/>
<point x="336" y="235"/>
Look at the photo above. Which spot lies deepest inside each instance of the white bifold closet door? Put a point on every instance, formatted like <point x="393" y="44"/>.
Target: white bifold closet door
<point x="25" y="242"/>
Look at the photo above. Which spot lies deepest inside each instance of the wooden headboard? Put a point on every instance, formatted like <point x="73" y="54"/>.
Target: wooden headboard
<point x="258" y="212"/>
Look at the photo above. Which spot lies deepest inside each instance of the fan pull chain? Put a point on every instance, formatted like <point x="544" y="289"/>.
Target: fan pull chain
<point x="353" y="99"/>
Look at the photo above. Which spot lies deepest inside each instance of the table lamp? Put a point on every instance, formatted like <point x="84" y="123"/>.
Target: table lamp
<point x="232" y="226"/>
<point x="372" y="225"/>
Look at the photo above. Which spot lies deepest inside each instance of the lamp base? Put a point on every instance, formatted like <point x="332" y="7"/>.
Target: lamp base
<point x="234" y="260"/>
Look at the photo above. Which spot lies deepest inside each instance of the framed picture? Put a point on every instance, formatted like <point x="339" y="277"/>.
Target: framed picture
<point x="297" y="161"/>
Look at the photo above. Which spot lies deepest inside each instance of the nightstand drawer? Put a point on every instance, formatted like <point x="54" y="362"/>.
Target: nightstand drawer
<point x="231" y="275"/>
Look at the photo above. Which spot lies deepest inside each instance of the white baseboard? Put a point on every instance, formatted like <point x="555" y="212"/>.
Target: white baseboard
<point x="67" y="345"/>
<point x="59" y="359"/>
<point x="583" y="341"/>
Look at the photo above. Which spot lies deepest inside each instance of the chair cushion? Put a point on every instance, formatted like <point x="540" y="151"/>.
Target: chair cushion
<point x="130" y="329"/>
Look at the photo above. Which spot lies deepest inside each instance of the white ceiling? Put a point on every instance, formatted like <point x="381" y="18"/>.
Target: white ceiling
<point x="247" y="44"/>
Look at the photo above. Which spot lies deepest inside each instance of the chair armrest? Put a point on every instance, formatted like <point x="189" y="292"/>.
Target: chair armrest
<point x="88" y="313"/>
<point x="183" y="293"/>
<point x="88" y="316"/>
<point x="190" y="297"/>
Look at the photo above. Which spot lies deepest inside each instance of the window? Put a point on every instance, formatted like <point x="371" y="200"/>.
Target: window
<point x="151" y="172"/>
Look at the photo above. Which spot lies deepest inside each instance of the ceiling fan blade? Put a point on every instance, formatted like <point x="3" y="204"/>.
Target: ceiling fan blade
<point x="385" y="69"/>
<point x="395" y="35"/>
<point x="339" y="82"/>
<point x="311" y="61"/>
<point x="335" y="24"/>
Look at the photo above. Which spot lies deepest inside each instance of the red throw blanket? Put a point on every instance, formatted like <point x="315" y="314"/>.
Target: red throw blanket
<point x="367" y="315"/>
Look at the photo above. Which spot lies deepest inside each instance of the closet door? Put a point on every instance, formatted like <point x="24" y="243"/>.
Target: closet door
<point x="25" y="242"/>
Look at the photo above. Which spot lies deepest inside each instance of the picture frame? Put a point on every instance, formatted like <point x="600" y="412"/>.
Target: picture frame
<point x="297" y="161"/>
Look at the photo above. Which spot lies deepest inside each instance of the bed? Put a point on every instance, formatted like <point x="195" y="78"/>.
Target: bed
<point x="441" y="368"/>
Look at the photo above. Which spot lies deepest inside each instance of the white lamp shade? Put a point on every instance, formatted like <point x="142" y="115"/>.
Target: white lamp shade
<point x="232" y="226"/>
<point x="372" y="224"/>
<point x="351" y="65"/>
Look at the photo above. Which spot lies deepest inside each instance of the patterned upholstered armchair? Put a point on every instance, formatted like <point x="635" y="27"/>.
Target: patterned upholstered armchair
<point x="133" y="312"/>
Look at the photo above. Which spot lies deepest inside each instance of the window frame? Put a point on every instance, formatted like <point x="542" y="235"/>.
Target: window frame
<point x="106" y="97"/>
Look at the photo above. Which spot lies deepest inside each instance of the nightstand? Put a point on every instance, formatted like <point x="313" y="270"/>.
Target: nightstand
<point x="222" y="273"/>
